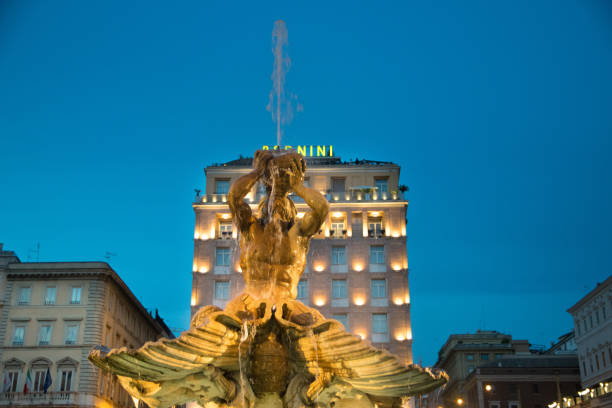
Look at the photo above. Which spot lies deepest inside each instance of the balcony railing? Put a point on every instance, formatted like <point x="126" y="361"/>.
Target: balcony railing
<point x="51" y="398"/>
<point x="331" y="196"/>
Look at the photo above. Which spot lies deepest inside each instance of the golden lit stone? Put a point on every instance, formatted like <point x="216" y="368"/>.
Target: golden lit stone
<point x="267" y="349"/>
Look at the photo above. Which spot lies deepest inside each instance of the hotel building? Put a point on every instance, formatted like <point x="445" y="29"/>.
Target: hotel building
<point x="357" y="266"/>
<point x="52" y="315"/>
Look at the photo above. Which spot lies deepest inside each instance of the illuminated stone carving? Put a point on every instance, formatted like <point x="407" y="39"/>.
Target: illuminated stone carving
<point x="267" y="349"/>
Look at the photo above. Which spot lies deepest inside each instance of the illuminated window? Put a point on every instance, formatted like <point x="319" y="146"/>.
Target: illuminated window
<point x="337" y="228"/>
<point x="338" y="255"/>
<point x="379" y="323"/>
<point x="339" y="289"/>
<point x="50" y="295"/>
<point x="342" y="318"/>
<point x="379" y="288"/>
<point x="222" y="256"/>
<point x="375" y="227"/>
<point x="225" y="229"/>
<point x="302" y="289"/>
<point x="382" y="185"/>
<point x="76" y="295"/>
<point x="377" y="254"/>
<point x="221" y="186"/>
<point x="222" y="289"/>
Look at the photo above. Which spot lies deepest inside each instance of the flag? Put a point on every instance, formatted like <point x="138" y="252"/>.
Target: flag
<point x="48" y="381"/>
<point x="6" y="382"/>
<point x="27" y="387"/>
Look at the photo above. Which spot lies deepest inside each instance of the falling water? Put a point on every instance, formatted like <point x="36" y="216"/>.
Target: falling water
<point x="244" y="336"/>
<point x="281" y="103"/>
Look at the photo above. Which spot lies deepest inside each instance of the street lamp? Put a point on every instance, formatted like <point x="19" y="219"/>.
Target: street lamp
<point x="488" y="387"/>
<point x="459" y="401"/>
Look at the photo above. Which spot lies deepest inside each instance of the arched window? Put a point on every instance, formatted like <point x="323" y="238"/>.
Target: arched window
<point x="12" y="373"/>
<point x="38" y="373"/>
<point x="66" y="374"/>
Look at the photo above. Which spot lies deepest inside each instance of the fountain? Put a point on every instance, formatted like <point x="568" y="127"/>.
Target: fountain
<point x="267" y="349"/>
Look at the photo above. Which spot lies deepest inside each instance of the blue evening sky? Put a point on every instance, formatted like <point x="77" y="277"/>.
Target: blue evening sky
<point x="499" y="114"/>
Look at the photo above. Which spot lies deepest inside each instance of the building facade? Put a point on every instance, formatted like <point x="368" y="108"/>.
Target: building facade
<point x="357" y="265"/>
<point x="593" y="334"/>
<point x="463" y="353"/>
<point x="54" y="313"/>
<point x="522" y="382"/>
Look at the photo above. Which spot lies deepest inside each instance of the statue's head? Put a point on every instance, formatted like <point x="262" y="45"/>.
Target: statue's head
<point x="280" y="171"/>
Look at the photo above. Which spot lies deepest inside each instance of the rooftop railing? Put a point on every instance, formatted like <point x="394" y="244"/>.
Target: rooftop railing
<point x="351" y="195"/>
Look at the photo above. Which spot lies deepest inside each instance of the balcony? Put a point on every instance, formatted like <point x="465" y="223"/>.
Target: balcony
<point x="352" y="195"/>
<point x="225" y="235"/>
<point x="38" y="398"/>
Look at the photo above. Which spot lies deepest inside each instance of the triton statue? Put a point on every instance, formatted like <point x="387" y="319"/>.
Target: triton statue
<point x="267" y="349"/>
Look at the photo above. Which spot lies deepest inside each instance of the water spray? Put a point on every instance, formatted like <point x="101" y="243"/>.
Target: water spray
<point x="281" y="103"/>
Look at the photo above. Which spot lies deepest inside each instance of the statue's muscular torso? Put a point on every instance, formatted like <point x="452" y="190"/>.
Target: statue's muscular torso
<point x="273" y="248"/>
<point x="272" y="258"/>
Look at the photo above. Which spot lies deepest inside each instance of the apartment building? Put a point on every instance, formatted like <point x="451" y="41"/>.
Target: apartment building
<point x="357" y="265"/>
<point x="53" y="314"/>
<point x="593" y="334"/>
<point x="463" y="353"/>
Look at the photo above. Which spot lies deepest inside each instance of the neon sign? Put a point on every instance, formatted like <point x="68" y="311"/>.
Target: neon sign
<point x="306" y="150"/>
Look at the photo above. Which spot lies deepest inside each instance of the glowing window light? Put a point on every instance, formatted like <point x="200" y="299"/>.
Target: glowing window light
<point x="357" y="267"/>
<point x="319" y="268"/>
<point x="300" y="215"/>
<point x="359" y="300"/>
<point x="319" y="301"/>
